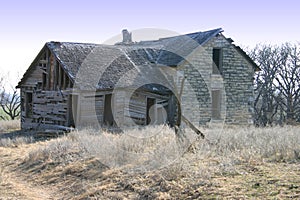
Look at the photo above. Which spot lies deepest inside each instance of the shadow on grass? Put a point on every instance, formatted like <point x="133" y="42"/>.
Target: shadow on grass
<point x="17" y="137"/>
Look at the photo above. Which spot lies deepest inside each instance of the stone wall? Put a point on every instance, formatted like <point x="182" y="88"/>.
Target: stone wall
<point x="235" y="84"/>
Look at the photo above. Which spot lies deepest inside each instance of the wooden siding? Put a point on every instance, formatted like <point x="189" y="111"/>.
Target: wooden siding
<point x="136" y="112"/>
<point x="48" y="107"/>
<point x="53" y="100"/>
<point x="49" y="97"/>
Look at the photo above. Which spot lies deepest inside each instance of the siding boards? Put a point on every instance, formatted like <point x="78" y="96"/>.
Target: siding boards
<point x="136" y="112"/>
<point x="49" y="106"/>
<point x="91" y="109"/>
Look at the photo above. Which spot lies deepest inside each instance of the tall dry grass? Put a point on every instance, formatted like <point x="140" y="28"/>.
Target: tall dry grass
<point x="8" y="125"/>
<point x="155" y="148"/>
<point x="246" y="143"/>
<point x="11" y="127"/>
<point x="14" y="142"/>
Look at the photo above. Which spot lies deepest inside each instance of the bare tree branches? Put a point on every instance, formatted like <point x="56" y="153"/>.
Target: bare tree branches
<point x="10" y="103"/>
<point x="277" y="85"/>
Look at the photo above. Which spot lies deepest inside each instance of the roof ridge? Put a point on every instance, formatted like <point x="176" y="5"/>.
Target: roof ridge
<point x="187" y="34"/>
<point x="72" y="42"/>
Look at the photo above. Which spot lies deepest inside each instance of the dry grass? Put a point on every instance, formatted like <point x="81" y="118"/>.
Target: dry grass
<point x="15" y="142"/>
<point x="249" y="143"/>
<point x="9" y="125"/>
<point x="152" y="163"/>
<point x="149" y="148"/>
<point x="10" y="136"/>
<point x="154" y="148"/>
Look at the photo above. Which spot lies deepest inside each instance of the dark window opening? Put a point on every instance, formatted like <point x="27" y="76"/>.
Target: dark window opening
<point x="28" y="104"/>
<point x="108" y="118"/>
<point x="150" y="115"/>
<point x="216" y="104"/>
<point x="217" y="61"/>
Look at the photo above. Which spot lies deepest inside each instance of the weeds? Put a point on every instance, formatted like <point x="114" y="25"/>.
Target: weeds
<point x="158" y="148"/>
<point x="60" y="151"/>
<point x="153" y="163"/>
<point x="246" y="144"/>
<point x="8" y="142"/>
<point x="9" y="125"/>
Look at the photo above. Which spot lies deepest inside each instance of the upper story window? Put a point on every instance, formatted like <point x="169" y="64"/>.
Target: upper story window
<point x="217" y="61"/>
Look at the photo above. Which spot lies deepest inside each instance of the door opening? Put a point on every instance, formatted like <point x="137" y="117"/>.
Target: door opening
<point x="108" y="117"/>
<point x="150" y="111"/>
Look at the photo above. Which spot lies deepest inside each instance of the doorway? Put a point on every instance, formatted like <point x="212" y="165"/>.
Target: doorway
<point x="72" y="110"/>
<point x="108" y="117"/>
<point x="150" y="115"/>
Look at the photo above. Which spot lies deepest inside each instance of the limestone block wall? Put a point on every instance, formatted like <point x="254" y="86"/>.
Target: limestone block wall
<point x="235" y="84"/>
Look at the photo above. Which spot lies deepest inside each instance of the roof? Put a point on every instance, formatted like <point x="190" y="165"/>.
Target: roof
<point x="93" y="66"/>
<point x="173" y="50"/>
<point x="98" y="66"/>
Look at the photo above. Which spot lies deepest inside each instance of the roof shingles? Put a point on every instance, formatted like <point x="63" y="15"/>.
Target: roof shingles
<point x="103" y="66"/>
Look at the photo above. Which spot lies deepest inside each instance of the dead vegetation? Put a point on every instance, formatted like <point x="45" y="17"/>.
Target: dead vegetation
<point x="241" y="163"/>
<point x="9" y="125"/>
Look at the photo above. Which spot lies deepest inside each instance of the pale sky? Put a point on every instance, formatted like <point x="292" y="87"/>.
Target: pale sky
<point x="27" y="25"/>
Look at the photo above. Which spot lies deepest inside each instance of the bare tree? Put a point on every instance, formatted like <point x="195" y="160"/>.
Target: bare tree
<point x="1" y="91"/>
<point x="265" y="102"/>
<point x="288" y="82"/>
<point x="277" y="85"/>
<point x="10" y="103"/>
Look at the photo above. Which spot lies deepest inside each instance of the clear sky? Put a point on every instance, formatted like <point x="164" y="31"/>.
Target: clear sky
<point x="27" y="25"/>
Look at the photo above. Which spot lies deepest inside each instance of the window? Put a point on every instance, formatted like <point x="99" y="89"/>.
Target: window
<point x="216" y="104"/>
<point x="28" y="104"/>
<point x="217" y="61"/>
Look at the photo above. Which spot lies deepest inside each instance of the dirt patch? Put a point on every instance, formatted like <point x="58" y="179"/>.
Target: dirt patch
<point x="13" y="184"/>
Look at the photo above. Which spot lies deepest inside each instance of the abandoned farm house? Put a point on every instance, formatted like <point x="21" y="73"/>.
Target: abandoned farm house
<point x="202" y="74"/>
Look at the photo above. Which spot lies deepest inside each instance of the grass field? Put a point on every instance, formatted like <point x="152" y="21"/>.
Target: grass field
<point x="231" y="163"/>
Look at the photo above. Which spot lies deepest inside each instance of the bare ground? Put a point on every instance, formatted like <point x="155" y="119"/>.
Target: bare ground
<point x="13" y="184"/>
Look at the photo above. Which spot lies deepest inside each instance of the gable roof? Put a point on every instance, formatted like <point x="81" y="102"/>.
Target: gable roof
<point x="174" y="49"/>
<point x="112" y="62"/>
<point x="179" y="47"/>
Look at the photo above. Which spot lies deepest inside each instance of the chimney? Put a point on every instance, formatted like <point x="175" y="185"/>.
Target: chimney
<point x="127" y="39"/>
